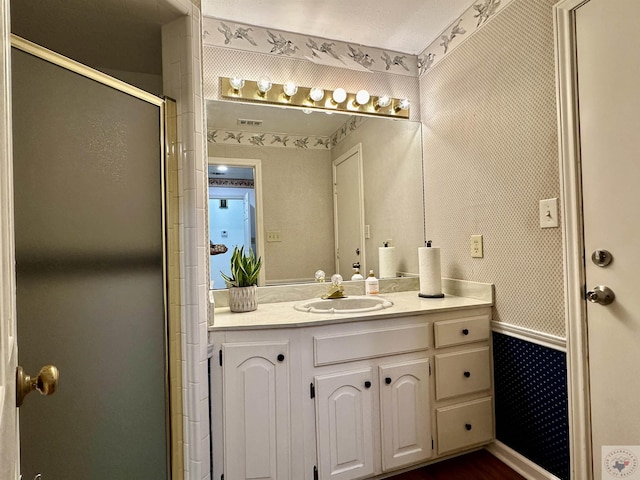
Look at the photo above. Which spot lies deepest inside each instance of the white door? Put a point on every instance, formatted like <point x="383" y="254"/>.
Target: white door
<point x="8" y="340"/>
<point x="608" y="67"/>
<point x="256" y="411"/>
<point x="404" y="413"/>
<point x="344" y="425"/>
<point x="348" y="202"/>
<point x="8" y="337"/>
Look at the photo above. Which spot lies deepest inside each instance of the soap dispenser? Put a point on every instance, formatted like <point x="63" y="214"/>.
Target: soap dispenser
<point x="356" y="272"/>
<point x="371" y="285"/>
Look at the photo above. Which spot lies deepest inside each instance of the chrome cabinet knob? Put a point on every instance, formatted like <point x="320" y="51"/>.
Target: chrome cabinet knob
<point x="601" y="294"/>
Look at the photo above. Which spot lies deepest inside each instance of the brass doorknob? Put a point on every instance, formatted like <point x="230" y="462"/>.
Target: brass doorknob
<point x="46" y="382"/>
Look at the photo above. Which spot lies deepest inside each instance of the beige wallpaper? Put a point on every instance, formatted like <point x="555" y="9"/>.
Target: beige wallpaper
<point x="490" y="153"/>
<point x="297" y="201"/>
<point x="392" y="178"/>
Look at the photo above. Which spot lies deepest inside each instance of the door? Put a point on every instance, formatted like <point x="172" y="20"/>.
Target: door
<point x="348" y="202"/>
<point x="87" y="163"/>
<point x="8" y="340"/>
<point x="228" y="226"/>
<point x="607" y="39"/>
<point x="256" y="409"/>
<point x="405" y="413"/>
<point x="344" y="425"/>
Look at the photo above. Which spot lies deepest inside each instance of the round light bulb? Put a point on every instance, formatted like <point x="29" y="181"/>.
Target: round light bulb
<point x="339" y="95"/>
<point x="307" y="111"/>
<point x="316" y="94"/>
<point x="290" y="89"/>
<point x="362" y="97"/>
<point x="264" y="85"/>
<point x="222" y="168"/>
<point x="404" y="105"/>
<point x="236" y="83"/>
<point x="383" y="101"/>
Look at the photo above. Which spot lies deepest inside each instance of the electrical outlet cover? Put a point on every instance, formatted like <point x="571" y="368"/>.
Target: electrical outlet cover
<point x="476" y="246"/>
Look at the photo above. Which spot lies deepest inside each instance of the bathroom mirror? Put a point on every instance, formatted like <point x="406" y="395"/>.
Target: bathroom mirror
<point x="292" y="227"/>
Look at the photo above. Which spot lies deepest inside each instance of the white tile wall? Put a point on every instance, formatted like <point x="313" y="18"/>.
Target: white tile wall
<point x="181" y="42"/>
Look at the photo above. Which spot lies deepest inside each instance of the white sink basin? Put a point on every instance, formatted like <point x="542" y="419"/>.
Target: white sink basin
<point x="353" y="304"/>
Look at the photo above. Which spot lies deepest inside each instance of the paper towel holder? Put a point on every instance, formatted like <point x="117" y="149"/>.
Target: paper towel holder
<point x="424" y="295"/>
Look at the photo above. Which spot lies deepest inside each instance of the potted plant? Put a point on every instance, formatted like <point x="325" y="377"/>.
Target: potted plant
<point x="243" y="281"/>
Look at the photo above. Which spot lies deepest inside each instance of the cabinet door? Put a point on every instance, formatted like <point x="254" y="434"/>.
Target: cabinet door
<point x="344" y="425"/>
<point x="256" y="411"/>
<point x="405" y="414"/>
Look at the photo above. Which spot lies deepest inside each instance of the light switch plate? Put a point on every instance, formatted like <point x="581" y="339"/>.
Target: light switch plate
<point x="476" y="246"/>
<point x="274" y="236"/>
<point x="549" y="213"/>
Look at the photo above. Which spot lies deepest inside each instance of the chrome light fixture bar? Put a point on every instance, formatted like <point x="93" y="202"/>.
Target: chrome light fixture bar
<point x="305" y="97"/>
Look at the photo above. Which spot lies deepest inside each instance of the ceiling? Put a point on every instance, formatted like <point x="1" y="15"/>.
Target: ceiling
<point x="406" y="26"/>
<point x="97" y="32"/>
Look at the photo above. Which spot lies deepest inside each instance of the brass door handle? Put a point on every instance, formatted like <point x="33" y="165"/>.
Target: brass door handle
<point x="46" y="382"/>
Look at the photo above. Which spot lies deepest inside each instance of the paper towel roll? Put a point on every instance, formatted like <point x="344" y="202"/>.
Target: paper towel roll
<point x="387" y="262"/>
<point x="429" y="269"/>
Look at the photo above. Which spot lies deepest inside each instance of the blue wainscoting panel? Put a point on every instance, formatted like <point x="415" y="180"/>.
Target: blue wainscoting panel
<point x="531" y="402"/>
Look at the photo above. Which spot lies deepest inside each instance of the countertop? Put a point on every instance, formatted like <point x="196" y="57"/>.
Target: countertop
<point x="283" y="315"/>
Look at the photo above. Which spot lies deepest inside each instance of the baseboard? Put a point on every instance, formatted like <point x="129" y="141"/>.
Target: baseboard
<point x="519" y="463"/>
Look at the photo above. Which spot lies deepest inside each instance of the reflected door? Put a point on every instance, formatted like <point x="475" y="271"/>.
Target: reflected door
<point x="348" y="204"/>
<point x="89" y="263"/>
<point x="229" y="225"/>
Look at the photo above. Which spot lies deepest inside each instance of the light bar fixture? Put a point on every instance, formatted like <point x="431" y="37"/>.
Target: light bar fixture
<point x="313" y="98"/>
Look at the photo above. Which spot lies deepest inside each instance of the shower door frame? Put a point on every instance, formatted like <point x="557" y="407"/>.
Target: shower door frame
<point x="170" y="257"/>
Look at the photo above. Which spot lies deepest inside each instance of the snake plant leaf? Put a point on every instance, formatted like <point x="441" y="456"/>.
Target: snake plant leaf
<point x="245" y="268"/>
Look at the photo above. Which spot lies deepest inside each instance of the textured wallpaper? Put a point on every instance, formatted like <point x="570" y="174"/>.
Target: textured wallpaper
<point x="490" y="154"/>
<point x="392" y="171"/>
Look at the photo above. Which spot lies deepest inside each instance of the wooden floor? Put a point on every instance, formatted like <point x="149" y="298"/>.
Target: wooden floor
<point x="480" y="465"/>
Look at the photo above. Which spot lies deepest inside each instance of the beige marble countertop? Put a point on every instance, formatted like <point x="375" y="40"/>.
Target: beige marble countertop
<point x="283" y="314"/>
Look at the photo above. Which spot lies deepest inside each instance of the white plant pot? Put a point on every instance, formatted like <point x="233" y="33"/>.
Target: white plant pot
<point x="243" y="299"/>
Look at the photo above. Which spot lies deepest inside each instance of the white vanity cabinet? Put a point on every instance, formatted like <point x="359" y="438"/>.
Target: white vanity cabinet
<point x="347" y="419"/>
<point x="344" y="424"/>
<point x="350" y="400"/>
<point x="256" y="399"/>
<point x="463" y="383"/>
<point x="405" y="418"/>
<point x="372" y="396"/>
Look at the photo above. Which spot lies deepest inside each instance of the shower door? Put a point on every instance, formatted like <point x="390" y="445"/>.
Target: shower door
<point x="90" y="275"/>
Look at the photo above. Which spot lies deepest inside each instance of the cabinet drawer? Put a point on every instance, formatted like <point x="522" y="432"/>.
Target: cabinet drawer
<point x="461" y="373"/>
<point x="461" y="330"/>
<point x="369" y="344"/>
<point x="465" y="424"/>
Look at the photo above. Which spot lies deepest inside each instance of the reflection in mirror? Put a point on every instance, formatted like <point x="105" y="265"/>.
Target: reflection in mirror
<point x="296" y="152"/>
<point x="232" y="215"/>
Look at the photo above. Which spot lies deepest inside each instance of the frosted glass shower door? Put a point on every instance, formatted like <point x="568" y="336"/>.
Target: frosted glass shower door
<point x="89" y="261"/>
